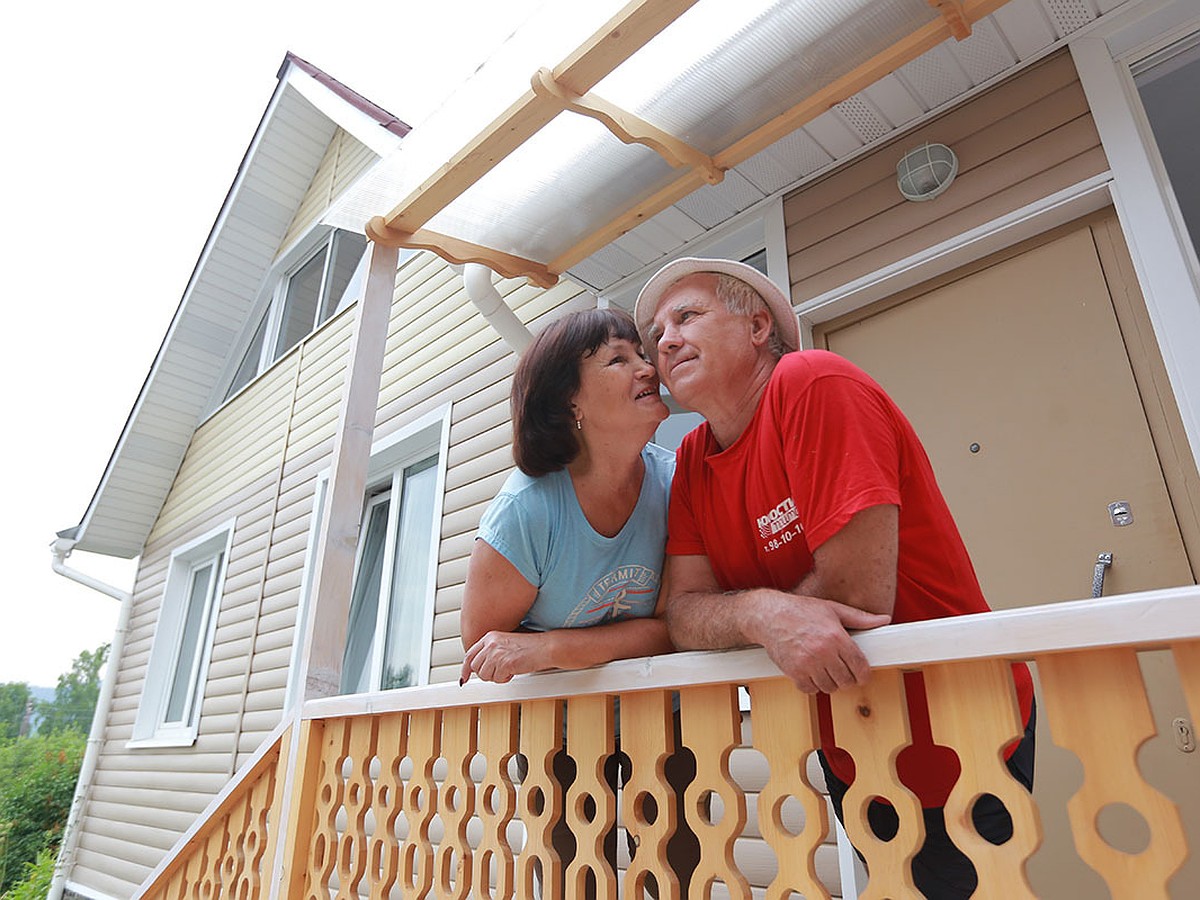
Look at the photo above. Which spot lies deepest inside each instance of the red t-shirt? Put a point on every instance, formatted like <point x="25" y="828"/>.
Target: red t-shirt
<point x="825" y="443"/>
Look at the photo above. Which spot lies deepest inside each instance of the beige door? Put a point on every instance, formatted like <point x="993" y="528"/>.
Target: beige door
<point x="1017" y="379"/>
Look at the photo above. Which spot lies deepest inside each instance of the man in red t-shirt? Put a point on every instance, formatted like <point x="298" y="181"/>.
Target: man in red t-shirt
<point x="804" y="506"/>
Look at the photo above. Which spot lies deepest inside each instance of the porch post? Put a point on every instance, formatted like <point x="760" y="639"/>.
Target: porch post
<point x="325" y="625"/>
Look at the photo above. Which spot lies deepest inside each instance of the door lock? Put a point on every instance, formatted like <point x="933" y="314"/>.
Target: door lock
<point x="1121" y="513"/>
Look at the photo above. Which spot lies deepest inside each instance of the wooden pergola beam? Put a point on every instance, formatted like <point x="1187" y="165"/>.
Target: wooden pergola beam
<point x="627" y="127"/>
<point x="459" y="252"/>
<point x="952" y="12"/>
<point x="863" y="76"/>
<point x="622" y="36"/>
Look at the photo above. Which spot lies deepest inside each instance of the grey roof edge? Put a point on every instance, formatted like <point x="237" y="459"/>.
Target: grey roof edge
<point x="354" y="98"/>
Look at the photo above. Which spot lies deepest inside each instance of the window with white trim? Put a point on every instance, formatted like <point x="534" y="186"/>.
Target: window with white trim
<point x="1166" y="82"/>
<point x="385" y="633"/>
<point x="324" y="279"/>
<point x="169" y="712"/>
<point x="389" y="630"/>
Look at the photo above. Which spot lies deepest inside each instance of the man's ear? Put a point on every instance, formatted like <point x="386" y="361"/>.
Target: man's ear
<point x="761" y="323"/>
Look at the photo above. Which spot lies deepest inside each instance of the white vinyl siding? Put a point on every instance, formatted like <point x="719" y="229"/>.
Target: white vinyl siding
<point x="344" y="161"/>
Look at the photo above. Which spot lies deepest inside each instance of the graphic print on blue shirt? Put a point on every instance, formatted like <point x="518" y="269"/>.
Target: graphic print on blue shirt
<point x="624" y="592"/>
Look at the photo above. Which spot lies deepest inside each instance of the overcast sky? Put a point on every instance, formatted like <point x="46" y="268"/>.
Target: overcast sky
<point x="125" y="124"/>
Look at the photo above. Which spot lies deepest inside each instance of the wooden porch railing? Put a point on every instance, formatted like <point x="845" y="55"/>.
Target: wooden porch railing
<point x="411" y="793"/>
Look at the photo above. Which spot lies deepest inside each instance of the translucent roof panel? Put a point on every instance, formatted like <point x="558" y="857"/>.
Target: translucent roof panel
<point x="716" y="74"/>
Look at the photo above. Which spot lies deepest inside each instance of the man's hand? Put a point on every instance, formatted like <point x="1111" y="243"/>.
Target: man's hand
<point x="807" y="638"/>
<point x="499" y="655"/>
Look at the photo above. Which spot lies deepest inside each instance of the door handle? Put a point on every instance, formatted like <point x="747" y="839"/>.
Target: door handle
<point x="1103" y="561"/>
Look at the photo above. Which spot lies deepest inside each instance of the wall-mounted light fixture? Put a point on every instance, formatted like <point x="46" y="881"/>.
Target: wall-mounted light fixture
<point x="926" y="171"/>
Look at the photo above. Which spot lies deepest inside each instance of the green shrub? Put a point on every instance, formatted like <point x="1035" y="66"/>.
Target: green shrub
<point x="38" y="876"/>
<point x="37" y="782"/>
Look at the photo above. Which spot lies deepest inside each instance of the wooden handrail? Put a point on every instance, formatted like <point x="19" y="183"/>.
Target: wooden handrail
<point x="1149" y="619"/>
<point x="385" y="794"/>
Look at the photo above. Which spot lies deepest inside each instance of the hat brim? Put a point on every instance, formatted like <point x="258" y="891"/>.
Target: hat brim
<point x="786" y="325"/>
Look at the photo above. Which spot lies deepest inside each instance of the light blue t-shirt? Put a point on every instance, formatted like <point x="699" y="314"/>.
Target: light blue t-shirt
<point x="583" y="578"/>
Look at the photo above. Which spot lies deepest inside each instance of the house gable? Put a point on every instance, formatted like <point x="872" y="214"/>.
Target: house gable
<point x="206" y="336"/>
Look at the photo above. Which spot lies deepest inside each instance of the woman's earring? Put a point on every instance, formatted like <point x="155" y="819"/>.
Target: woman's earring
<point x="579" y="424"/>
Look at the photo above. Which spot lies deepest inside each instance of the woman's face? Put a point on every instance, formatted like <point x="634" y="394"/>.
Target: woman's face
<point x="618" y="388"/>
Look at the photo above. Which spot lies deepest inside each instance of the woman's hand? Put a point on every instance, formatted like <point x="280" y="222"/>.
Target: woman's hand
<point x="499" y="655"/>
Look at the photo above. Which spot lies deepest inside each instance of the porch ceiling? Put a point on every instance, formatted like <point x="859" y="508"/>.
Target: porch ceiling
<point x="742" y="99"/>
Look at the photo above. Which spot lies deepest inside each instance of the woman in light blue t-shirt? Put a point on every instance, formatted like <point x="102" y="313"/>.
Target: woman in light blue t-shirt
<point x="567" y="565"/>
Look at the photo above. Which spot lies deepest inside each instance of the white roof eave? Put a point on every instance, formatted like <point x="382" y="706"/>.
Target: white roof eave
<point x="194" y="353"/>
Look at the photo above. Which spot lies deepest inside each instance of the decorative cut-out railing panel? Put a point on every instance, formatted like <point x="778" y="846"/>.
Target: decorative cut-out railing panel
<point x="230" y="848"/>
<point x="456" y="792"/>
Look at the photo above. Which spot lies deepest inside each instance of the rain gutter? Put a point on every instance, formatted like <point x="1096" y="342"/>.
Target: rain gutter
<point x="60" y="550"/>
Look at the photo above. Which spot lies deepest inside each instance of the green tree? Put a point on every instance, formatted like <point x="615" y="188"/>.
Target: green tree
<point x="14" y="695"/>
<point x="37" y="782"/>
<point x="75" y="695"/>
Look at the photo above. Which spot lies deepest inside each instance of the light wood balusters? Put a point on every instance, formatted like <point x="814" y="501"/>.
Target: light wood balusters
<point x="425" y="801"/>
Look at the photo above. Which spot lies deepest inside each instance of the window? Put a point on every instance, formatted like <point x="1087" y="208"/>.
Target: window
<point x="1166" y="82"/>
<point x="326" y="279"/>
<point x="389" y="629"/>
<point x="385" y="632"/>
<point x="169" y="713"/>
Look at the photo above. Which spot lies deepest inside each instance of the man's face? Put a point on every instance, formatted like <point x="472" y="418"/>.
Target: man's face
<point x="696" y="341"/>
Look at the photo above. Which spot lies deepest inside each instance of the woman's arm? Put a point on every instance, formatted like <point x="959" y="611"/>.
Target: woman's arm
<point x="496" y="596"/>
<point x="495" y="600"/>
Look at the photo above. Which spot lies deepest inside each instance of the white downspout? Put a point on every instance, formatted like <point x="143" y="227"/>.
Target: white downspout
<point x="61" y="549"/>
<point x="478" y="281"/>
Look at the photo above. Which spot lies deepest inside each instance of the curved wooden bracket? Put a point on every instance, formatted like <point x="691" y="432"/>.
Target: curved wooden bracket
<point x="627" y="127"/>
<point x="956" y="18"/>
<point x="460" y="252"/>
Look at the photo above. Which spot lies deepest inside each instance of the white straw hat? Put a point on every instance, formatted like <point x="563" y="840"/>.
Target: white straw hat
<point x="777" y="302"/>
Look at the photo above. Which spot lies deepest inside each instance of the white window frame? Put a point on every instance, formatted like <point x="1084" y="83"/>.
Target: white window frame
<point x="323" y="245"/>
<point x="273" y="300"/>
<point x="150" y="727"/>
<point x="390" y="455"/>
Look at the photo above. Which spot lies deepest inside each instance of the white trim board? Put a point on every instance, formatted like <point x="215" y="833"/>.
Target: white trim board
<point x="353" y="121"/>
<point x="1029" y="221"/>
<point x="83" y="891"/>
<point x="1161" y="250"/>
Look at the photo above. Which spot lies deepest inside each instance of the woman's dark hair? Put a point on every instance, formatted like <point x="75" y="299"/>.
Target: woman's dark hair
<point x="547" y="377"/>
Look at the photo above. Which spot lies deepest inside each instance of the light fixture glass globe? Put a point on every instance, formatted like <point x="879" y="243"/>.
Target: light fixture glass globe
<point x="926" y="171"/>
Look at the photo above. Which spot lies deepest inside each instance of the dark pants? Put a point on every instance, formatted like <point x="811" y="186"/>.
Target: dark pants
<point x="940" y="870"/>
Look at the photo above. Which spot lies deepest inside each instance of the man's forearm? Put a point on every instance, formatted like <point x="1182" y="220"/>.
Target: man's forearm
<point x="716" y="621"/>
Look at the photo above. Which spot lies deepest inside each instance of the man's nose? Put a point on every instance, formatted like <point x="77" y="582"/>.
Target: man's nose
<point x="669" y="338"/>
